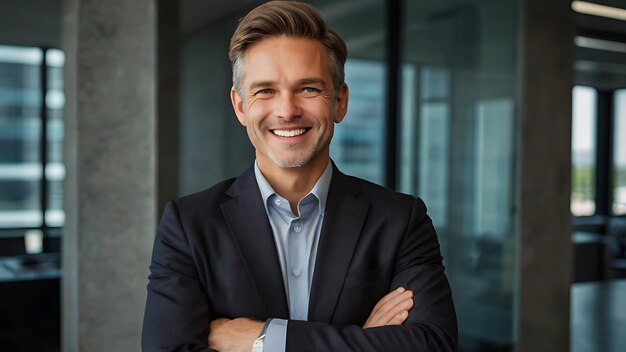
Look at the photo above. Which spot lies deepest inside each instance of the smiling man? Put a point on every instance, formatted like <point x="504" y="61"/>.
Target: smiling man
<point x="293" y="255"/>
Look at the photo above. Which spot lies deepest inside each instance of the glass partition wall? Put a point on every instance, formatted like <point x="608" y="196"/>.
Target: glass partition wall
<point x="358" y="145"/>
<point x="456" y="131"/>
<point x="458" y="140"/>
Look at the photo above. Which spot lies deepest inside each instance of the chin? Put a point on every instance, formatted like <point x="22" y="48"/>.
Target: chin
<point x="290" y="163"/>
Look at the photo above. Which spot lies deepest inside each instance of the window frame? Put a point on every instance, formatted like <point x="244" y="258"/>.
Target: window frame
<point x="604" y="168"/>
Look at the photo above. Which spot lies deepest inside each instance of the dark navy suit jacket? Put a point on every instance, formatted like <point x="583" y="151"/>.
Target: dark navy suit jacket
<point x="214" y="256"/>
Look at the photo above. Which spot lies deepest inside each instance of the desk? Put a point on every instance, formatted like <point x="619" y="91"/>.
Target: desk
<point x="30" y="267"/>
<point x="590" y="262"/>
<point x="598" y="316"/>
<point x="30" y="303"/>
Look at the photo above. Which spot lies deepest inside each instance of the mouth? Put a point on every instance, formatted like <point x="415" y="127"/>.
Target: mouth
<point x="290" y="133"/>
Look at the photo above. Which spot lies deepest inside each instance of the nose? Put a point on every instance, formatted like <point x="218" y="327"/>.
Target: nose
<point x="288" y="107"/>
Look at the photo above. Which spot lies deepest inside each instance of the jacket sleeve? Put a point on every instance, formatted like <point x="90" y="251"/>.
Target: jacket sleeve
<point x="431" y="325"/>
<point x="176" y="317"/>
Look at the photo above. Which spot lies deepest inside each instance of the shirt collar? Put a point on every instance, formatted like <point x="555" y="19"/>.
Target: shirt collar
<point x="320" y="190"/>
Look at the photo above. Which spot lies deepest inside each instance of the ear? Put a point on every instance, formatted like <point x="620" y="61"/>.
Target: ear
<point x="342" y="103"/>
<point x="237" y="102"/>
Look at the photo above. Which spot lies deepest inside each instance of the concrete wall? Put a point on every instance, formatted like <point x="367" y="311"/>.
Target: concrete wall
<point x="111" y="154"/>
<point x="545" y="249"/>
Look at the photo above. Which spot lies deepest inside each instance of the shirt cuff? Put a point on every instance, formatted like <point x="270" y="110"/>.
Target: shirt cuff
<point x="275" y="336"/>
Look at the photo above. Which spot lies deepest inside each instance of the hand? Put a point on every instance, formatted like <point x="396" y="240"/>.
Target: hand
<point x="226" y="335"/>
<point x="393" y="309"/>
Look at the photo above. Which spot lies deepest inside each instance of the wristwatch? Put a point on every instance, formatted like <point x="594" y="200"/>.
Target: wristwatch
<point x="257" y="346"/>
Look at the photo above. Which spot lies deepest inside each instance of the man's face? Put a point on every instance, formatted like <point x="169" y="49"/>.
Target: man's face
<point x="289" y="105"/>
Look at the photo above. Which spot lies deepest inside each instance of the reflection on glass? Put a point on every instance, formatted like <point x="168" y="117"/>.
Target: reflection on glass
<point x="583" y="151"/>
<point x="493" y="180"/>
<point x="434" y="142"/>
<point x="430" y="178"/>
<point x="55" y="170"/>
<point x="20" y="129"/>
<point x="433" y="165"/>
<point x="457" y="129"/>
<point x="435" y="83"/>
<point x="619" y="154"/>
<point x="408" y="123"/>
<point x="357" y="145"/>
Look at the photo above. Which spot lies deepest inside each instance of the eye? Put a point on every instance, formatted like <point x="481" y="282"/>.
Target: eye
<point x="310" y="92"/>
<point x="265" y="91"/>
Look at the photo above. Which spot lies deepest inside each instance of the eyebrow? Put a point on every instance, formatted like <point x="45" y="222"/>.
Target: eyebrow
<point x="312" y="81"/>
<point x="303" y="81"/>
<point x="259" y="84"/>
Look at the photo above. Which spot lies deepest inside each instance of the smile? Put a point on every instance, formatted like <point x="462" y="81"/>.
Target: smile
<point x="290" y="133"/>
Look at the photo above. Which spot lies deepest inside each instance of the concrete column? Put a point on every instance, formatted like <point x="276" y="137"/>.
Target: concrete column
<point x="546" y="77"/>
<point x="113" y="156"/>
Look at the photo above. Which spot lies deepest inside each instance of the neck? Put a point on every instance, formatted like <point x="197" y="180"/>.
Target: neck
<point x="296" y="182"/>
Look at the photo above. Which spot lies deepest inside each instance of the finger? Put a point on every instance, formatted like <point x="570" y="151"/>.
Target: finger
<point x="394" y="302"/>
<point x="391" y="295"/>
<point x="385" y="304"/>
<point x="402" y="315"/>
<point x="399" y="318"/>
<point x="390" y="309"/>
<point x="387" y="316"/>
<point x="394" y="317"/>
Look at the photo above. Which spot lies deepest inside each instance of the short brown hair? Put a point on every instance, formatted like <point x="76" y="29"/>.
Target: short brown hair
<point x="292" y="19"/>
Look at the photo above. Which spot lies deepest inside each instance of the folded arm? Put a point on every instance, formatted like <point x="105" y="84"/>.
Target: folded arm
<point x="431" y="323"/>
<point x="423" y="319"/>
<point x="177" y="313"/>
<point x="232" y="335"/>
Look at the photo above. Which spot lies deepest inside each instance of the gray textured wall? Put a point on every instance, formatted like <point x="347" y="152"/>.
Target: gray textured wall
<point x="111" y="156"/>
<point x="545" y="249"/>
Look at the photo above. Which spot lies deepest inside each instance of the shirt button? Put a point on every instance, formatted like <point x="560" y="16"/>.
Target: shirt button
<point x="277" y="202"/>
<point x="297" y="228"/>
<point x="296" y="272"/>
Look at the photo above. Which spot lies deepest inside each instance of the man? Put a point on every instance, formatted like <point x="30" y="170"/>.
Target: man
<point x="294" y="255"/>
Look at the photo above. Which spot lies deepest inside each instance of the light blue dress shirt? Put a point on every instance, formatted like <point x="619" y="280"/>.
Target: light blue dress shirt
<point x="296" y="239"/>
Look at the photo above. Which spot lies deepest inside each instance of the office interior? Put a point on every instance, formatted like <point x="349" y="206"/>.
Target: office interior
<point x="508" y="117"/>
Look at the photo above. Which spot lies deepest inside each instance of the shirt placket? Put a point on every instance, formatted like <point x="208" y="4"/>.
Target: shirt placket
<point x="298" y="280"/>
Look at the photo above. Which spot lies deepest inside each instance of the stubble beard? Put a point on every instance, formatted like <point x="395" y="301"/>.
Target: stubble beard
<point x="300" y="161"/>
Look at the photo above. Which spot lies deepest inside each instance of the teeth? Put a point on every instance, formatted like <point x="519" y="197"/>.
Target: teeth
<point x="289" y="133"/>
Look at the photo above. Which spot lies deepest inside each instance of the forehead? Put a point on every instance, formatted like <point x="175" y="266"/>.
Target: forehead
<point x="286" y="58"/>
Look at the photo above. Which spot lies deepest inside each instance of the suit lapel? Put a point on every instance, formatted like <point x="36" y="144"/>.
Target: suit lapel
<point x="343" y="220"/>
<point x="246" y="217"/>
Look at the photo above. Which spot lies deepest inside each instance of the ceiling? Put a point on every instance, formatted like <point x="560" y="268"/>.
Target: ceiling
<point x="31" y="23"/>
<point x="38" y="23"/>
<point x="194" y="14"/>
<point x="603" y="69"/>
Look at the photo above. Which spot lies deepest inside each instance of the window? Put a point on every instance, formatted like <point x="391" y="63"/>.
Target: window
<point x="424" y="169"/>
<point x="358" y="141"/>
<point x="619" y="154"/>
<point x="55" y="170"/>
<point x="31" y="172"/>
<point x="358" y="145"/>
<point x="584" y="102"/>
<point x="457" y="137"/>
